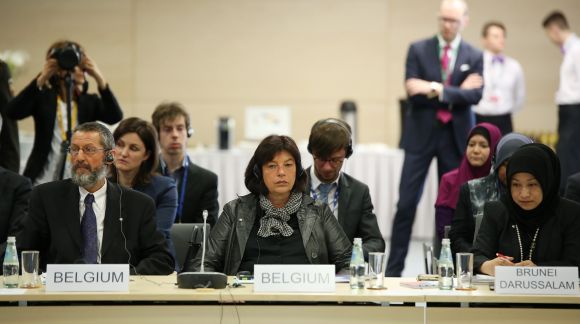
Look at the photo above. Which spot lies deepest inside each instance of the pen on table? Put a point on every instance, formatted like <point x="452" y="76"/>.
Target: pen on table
<point x="499" y="255"/>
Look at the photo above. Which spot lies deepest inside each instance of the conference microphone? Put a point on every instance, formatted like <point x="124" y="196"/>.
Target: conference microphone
<point x="202" y="279"/>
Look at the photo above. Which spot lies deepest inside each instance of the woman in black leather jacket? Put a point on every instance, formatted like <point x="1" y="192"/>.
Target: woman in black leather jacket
<point x="276" y="223"/>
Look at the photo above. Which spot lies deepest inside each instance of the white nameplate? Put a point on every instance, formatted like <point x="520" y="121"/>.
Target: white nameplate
<point x="294" y="278"/>
<point x="87" y="277"/>
<point x="537" y="280"/>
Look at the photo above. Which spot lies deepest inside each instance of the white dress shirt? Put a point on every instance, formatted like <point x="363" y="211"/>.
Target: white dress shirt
<point x="504" y="90"/>
<point x="99" y="207"/>
<point x="332" y="197"/>
<point x="569" y="90"/>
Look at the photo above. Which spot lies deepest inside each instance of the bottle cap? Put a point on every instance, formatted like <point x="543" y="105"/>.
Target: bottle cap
<point x="11" y="239"/>
<point x="357" y="240"/>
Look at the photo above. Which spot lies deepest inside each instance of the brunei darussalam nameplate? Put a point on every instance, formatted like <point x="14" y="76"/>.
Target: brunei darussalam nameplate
<point x="537" y="280"/>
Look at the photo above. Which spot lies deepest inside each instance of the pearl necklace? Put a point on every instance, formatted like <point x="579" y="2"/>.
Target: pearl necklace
<point x="532" y="246"/>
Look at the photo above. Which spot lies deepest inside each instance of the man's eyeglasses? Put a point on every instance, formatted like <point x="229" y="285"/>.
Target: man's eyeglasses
<point x="333" y="161"/>
<point x="87" y="150"/>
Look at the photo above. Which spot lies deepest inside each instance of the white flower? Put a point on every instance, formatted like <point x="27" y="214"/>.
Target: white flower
<point x="14" y="59"/>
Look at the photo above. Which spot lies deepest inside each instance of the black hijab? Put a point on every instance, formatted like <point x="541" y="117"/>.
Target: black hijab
<point x="544" y="165"/>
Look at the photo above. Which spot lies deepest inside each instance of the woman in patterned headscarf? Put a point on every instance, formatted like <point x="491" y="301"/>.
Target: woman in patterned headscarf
<point x="276" y="223"/>
<point x="531" y="225"/>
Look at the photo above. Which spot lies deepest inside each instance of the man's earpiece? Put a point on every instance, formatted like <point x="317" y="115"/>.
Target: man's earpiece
<point x="189" y="131"/>
<point x="109" y="158"/>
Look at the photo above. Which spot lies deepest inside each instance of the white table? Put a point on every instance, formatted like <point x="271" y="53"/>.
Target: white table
<point x="376" y="165"/>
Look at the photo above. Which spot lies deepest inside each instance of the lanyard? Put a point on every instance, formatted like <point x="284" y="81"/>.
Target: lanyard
<point x="182" y="193"/>
<point x="334" y="199"/>
<point x="59" y="118"/>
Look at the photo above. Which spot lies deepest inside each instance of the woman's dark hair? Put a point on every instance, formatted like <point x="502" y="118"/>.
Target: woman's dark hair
<point x="265" y="153"/>
<point x="148" y="135"/>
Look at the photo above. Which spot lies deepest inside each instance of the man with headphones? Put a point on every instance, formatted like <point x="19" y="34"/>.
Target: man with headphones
<point x="196" y="187"/>
<point x="45" y="99"/>
<point x="330" y="143"/>
<point x="86" y="219"/>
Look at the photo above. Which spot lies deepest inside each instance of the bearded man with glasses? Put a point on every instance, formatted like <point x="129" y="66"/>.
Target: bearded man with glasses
<point x="86" y="219"/>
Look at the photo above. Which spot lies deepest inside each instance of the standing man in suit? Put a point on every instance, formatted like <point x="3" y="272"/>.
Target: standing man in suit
<point x="45" y="99"/>
<point x="196" y="186"/>
<point x="443" y="80"/>
<point x="568" y="94"/>
<point x="505" y="88"/>
<point x="117" y="224"/>
<point x="330" y="142"/>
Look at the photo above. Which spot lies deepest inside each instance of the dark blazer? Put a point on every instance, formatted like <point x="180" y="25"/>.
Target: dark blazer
<point x="355" y="213"/>
<point x="41" y="105"/>
<point x="9" y="140"/>
<point x="573" y="187"/>
<point x="421" y="113"/>
<point x="53" y="227"/>
<point x="164" y="193"/>
<point x="324" y="241"/>
<point x="201" y="194"/>
<point x="558" y="242"/>
<point x="463" y="223"/>
<point x="14" y="194"/>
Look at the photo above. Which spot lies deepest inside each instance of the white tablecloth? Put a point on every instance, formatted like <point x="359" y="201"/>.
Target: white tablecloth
<point x="376" y="165"/>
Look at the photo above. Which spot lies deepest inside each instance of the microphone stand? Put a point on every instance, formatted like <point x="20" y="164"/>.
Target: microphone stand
<point x="69" y="84"/>
<point x="202" y="279"/>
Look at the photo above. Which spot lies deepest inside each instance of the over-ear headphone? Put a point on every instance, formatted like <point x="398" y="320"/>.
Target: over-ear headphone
<point x="109" y="158"/>
<point x="333" y="121"/>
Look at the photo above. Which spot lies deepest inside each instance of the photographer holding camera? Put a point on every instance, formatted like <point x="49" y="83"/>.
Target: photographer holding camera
<point x="46" y="99"/>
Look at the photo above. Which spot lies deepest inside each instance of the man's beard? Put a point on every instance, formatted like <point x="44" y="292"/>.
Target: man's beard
<point x="88" y="180"/>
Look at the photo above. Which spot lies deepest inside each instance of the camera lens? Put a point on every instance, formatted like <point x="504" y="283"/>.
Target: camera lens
<point x="67" y="57"/>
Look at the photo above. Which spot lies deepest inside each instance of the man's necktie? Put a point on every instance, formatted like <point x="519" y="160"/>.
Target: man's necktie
<point x="89" y="231"/>
<point x="324" y="189"/>
<point x="443" y="114"/>
<point x="497" y="59"/>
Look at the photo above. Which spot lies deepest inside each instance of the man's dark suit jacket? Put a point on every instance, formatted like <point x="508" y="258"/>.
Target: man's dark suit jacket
<point x="421" y="113"/>
<point x="355" y="213"/>
<point x="14" y="194"/>
<point x="41" y="105"/>
<point x="573" y="187"/>
<point x="53" y="227"/>
<point x="201" y="194"/>
<point x="9" y="139"/>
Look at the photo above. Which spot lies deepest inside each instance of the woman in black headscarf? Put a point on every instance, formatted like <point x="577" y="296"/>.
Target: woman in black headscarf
<point x="531" y="225"/>
<point x="475" y="193"/>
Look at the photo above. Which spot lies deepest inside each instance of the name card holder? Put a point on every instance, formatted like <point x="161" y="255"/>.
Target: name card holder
<point x="87" y="277"/>
<point x="537" y="280"/>
<point x="294" y="278"/>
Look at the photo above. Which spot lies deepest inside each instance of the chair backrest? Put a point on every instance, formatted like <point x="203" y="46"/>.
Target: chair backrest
<point x="187" y="238"/>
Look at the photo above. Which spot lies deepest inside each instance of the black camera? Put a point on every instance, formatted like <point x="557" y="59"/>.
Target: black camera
<point x="67" y="57"/>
